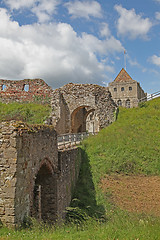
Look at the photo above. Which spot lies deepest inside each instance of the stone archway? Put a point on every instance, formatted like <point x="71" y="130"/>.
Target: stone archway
<point x="44" y="194"/>
<point x="84" y="119"/>
<point x="78" y="120"/>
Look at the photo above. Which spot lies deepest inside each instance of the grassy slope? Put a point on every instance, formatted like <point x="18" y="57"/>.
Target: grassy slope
<point x="31" y="113"/>
<point x="131" y="146"/>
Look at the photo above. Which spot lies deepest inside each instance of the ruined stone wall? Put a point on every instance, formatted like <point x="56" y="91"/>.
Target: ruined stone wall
<point x="69" y="164"/>
<point x="23" y="151"/>
<point x="8" y="168"/>
<point x="63" y="121"/>
<point x="90" y="97"/>
<point x="35" y="179"/>
<point x="27" y="90"/>
<point x="36" y="148"/>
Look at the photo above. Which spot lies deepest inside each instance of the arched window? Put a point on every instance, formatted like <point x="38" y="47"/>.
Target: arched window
<point x="119" y="102"/>
<point x="122" y="89"/>
<point x="128" y="103"/>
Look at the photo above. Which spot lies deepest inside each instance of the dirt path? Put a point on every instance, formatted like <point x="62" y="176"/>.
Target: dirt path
<point x="134" y="193"/>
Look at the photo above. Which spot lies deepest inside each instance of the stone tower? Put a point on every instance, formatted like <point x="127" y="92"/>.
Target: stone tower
<point x="125" y="91"/>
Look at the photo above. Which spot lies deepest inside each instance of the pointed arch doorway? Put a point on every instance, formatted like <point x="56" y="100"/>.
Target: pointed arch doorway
<point x="44" y="194"/>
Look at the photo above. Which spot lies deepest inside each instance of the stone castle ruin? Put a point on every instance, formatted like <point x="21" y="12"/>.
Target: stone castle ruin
<point x="27" y="90"/>
<point x="81" y="107"/>
<point x="36" y="178"/>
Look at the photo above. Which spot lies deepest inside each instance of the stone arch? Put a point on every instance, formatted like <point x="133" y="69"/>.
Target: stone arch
<point x="83" y="119"/>
<point x="78" y="119"/>
<point x="44" y="193"/>
<point x="128" y="103"/>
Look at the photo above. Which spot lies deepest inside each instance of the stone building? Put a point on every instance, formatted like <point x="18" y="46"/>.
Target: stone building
<point x="125" y="91"/>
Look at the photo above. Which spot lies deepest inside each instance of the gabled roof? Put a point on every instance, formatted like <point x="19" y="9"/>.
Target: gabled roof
<point x="123" y="76"/>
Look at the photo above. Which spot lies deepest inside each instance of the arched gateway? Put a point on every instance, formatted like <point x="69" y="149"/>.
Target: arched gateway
<point x="81" y="107"/>
<point x="44" y="193"/>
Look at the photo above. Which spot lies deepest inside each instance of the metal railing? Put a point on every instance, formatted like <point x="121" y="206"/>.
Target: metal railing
<point x="150" y="97"/>
<point x="70" y="140"/>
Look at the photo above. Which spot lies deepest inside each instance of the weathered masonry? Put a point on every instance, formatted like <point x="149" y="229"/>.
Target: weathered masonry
<point x="35" y="179"/>
<point x="125" y="91"/>
<point x="82" y="107"/>
<point x="27" y="90"/>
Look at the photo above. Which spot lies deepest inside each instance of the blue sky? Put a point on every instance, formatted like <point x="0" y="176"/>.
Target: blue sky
<point x="77" y="41"/>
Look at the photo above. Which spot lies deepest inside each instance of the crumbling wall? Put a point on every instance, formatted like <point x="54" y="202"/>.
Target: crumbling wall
<point x="36" y="150"/>
<point x="35" y="179"/>
<point x="90" y="97"/>
<point x="69" y="165"/>
<point x="8" y="168"/>
<point x="23" y="151"/>
<point x="27" y="90"/>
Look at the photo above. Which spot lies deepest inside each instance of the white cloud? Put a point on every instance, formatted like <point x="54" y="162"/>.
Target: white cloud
<point x="17" y="4"/>
<point x="157" y="15"/>
<point x="155" y="60"/>
<point x="43" y="9"/>
<point x="132" y="24"/>
<point x="52" y="52"/>
<point x="104" y="31"/>
<point x="103" y="47"/>
<point x="157" y="1"/>
<point x="84" y="9"/>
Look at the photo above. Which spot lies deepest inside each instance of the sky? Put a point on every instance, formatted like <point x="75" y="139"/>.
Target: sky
<point x="80" y="41"/>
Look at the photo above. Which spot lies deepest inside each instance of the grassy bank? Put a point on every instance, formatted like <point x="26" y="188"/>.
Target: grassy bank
<point x="31" y="113"/>
<point x="130" y="145"/>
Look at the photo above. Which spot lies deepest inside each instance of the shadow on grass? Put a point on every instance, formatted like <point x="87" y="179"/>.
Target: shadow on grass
<point x="84" y="196"/>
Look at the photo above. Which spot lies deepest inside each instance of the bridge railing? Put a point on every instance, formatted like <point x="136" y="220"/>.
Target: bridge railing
<point x="150" y="97"/>
<point x="71" y="139"/>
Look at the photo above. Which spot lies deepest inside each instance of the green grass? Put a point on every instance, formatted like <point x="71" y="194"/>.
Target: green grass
<point x="131" y="145"/>
<point x="118" y="228"/>
<point x="31" y="113"/>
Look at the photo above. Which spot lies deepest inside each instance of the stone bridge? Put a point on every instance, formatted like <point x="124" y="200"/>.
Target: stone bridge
<point x="36" y="179"/>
